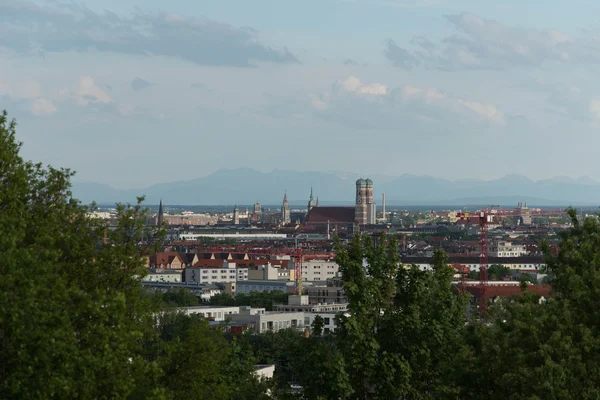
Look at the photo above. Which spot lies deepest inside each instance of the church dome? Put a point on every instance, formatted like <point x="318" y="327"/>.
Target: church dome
<point x="360" y="182"/>
<point x="369" y="182"/>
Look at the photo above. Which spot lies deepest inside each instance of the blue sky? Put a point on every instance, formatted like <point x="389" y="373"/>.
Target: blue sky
<point x="132" y="93"/>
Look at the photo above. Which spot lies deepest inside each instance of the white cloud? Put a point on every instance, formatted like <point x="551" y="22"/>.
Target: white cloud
<point x="595" y="109"/>
<point x="374" y="99"/>
<point x="88" y="92"/>
<point x="42" y="107"/>
<point x="352" y="84"/>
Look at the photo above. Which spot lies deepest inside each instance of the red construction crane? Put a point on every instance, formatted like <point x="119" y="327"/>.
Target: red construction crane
<point x="485" y="217"/>
<point x="297" y="253"/>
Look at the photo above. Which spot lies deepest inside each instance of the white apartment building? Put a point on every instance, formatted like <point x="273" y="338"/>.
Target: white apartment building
<point x="506" y="249"/>
<point x="270" y="320"/>
<point x="228" y="273"/>
<point x="319" y="270"/>
<point x="164" y="276"/>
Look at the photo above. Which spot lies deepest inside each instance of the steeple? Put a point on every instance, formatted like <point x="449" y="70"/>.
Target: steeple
<point x="317" y="205"/>
<point x="159" y="220"/>
<point x="311" y="202"/>
<point x="285" y="210"/>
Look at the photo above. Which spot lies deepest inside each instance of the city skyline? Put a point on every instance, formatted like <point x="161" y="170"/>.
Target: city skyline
<point x="452" y="89"/>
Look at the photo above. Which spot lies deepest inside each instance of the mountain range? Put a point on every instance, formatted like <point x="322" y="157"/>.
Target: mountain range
<point x="247" y="186"/>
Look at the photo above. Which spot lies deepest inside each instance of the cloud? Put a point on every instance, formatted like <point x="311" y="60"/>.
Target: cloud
<point x="140" y="83"/>
<point x="28" y="95"/>
<point x="407" y="109"/>
<point x="595" y="109"/>
<point x="489" y="44"/>
<point x="398" y="56"/>
<point x="88" y="93"/>
<point x="350" y="61"/>
<point x="42" y="107"/>
<point x="57" y="27"/>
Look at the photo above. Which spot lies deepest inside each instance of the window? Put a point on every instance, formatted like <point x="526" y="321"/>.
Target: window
<point x="327" y="321"/>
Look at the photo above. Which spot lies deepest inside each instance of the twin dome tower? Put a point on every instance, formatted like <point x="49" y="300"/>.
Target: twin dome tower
<point x="365" y="211"/>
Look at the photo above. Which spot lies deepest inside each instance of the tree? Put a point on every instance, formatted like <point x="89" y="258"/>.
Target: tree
<point x="548" y="350"/>
<point x="72" y="311"/>
<point x="75" y="321"/>
<point x="179" y="298"/>
<point x="497" y="272"/>
<point x="317" y="326"/>
<point x="405" y="325"/>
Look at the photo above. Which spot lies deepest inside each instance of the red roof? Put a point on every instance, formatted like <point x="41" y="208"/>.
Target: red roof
<point x="334" y="215"/>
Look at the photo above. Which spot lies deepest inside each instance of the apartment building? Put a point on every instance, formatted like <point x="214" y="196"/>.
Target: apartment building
<point x="319" y="269"/>
<point x="506" y="249"/>
<point x="229" y="272"/>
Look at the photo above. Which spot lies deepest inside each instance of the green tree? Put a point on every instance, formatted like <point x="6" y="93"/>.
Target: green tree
<point x="548" y="350"/>
<point x="405" y="326"/>
<point x="72" y="311"/>
<point x="317" y="326"/>
<point x="75" y="322"/>
<point x="179" y="298"/>
<point x="497" y="272"/>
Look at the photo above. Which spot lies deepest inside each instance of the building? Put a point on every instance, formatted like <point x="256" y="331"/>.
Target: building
<point x="365" y="208"/>
<point x="506" y="249"/>
<point x="236" y="215"/>
<point x="171" y="260"/>
<point x="330" y="293"/>
<point x="285" y="211"/>
<point x="337" y="219"/>
<point x="267" y="272"/>
<point x="211" y="275"/>
<point x="269" y="321"/>
<point x="311" y="201"/>
<point x="524" y="214"/>
<point x="526" y="264"/>
<point x="163" y="276"/>
<point x="213" y="313"/>
<point x="264" y="371"/>
<point x="326" y="311"/>
<point x="248" y="286"/>
<point x="160" y="216"/>
<point x="318" y="269"/>
<point x="257" y="214"/>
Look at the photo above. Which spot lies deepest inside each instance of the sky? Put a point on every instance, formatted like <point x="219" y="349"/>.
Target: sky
<point x="131" y="93"/>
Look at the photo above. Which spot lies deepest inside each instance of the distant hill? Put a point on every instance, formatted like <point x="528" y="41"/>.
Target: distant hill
<point x="246" y="186"/>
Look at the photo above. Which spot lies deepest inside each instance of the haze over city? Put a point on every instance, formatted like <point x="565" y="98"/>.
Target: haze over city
<point x="131" y="93"/>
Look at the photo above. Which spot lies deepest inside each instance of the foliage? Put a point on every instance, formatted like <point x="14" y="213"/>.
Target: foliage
<point x="75" y="322"/>
<point x="548" y="350"/>
<point x="405" y="326"/>
<point x="317" y="326"/>
<point x="497" y="272"/>
<point x="180" y="297"/>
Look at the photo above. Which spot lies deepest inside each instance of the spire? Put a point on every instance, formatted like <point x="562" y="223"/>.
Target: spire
<point x="311" y="193"/>
<point x="317" y="205"/>
<point x="159" y="220"/>
<point x="285" y="196"/>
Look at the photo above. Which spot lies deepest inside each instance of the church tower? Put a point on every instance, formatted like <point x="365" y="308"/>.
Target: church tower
<point x="285" y="211"/>
<point x="160" y="217"/>
<point x="236" y="215"/>
<point x="364" y="210"/>
<point x="311" y="201"/>
<point x="360" y="208"/>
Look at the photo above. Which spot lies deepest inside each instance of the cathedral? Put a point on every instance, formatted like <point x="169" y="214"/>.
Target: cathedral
<point x="362" y="213"/>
